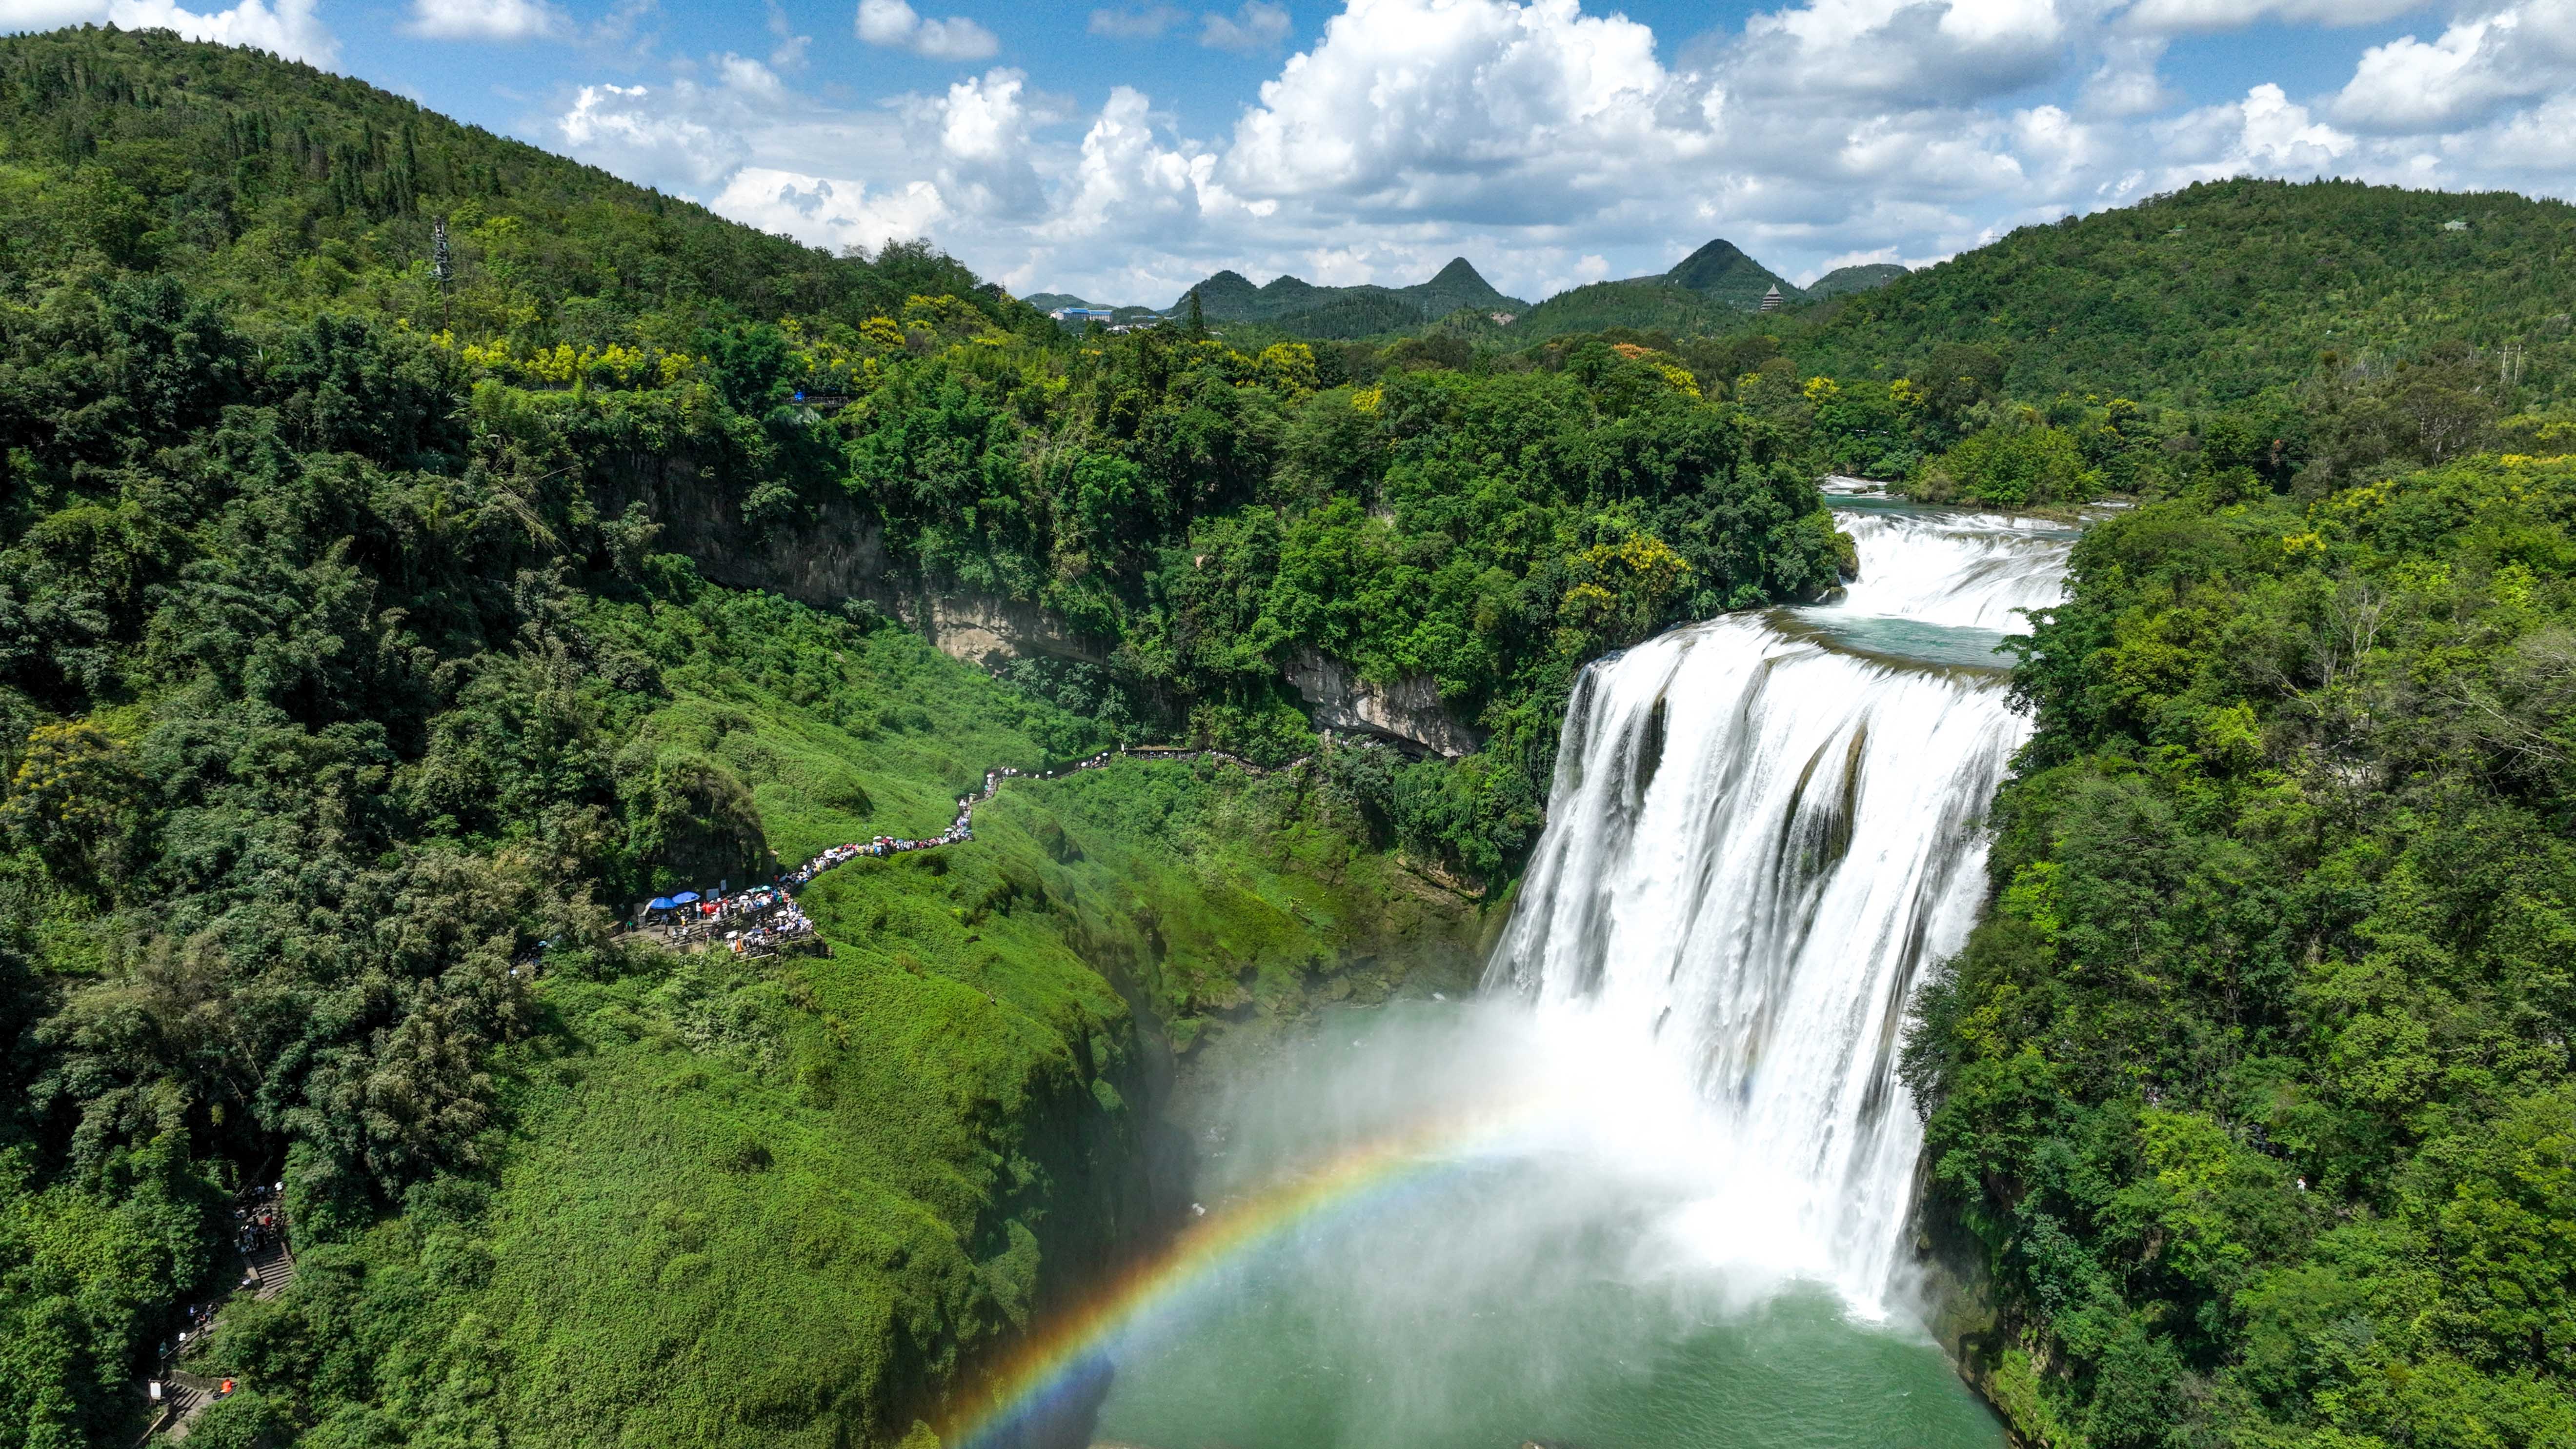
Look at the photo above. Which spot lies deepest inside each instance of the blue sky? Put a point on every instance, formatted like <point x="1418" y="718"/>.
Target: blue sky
<point x="1122" y="151"/>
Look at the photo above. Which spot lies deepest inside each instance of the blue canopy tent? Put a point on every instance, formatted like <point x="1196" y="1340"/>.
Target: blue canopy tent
<point x="660" y="903"/>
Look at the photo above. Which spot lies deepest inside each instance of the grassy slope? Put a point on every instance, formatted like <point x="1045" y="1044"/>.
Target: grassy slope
<point x="792" y="1194"/>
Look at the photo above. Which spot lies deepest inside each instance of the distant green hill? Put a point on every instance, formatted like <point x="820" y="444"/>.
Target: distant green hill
<point x="1458" y="285"/>
<point x="1721" y="272"/>
<point x="1306" y="310"/>
<point x="1230" y="296"/>
<point x="2226" y="288"/>
<point x="1648" y="304"/>
<point x="1706" y="291"/>
<point x="1842" y="281"/>
<point x="1367" y="313"/>
<point x="2205" y="296"/>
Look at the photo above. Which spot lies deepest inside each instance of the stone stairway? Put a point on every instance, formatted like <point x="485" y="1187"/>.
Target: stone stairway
<point x="274" y="1267"/>
<point x="183" y="1397"/>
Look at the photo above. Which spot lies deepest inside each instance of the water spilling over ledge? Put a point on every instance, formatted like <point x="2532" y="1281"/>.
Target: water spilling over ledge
<point x="1762" y="829"/>
<point x="1654" y="1185"/>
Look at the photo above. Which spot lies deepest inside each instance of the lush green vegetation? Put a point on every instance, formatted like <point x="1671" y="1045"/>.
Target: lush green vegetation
<point x="334" y="700"/>
<point x="2217" y="293"/>
<point x="329" y="691"/>
<point x="2314" y="332"/>
<point x="2327" y="326"/>
<point x="2254" y="1087"/>
<point x="1647" y="305"/>
<point x="1860" y="278"/>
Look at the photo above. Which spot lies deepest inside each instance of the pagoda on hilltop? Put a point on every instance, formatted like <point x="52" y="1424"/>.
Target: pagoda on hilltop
<point x="1772" y="301"/>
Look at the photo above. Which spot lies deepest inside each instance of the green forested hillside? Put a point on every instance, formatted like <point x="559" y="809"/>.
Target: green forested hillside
<point x="2305" y="332"/>
<point x="1646" y="305"/>
<point x="344" y="723"/>
<point x="2225" y="295"/>
<point x="346" y="708"/>
<point x="1865" y="277"/>
<point x="2213" y="294"/>
<point x="285" y="189"/>
<point x="1707" y="292"/>
<point x="2340" y="322"/>
<point x="2254" y="1088"/>
<point x="2209" y="297"/>
<point x="1721" y="272"/>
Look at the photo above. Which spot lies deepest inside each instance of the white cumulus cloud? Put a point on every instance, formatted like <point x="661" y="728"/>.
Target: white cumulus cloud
<point x="634" y="131"/>
<point x="1903" y="52"/>
<point x="2173" y="17"/>
<point x="2127" y="84"/>
<point x="484" y="20"/>
<point x="1458" y="106"/>
<point x="2479" y="66"/>
<point x="789" y="52"/>
<point x="976" y="139"/>
<point x="1558" y="141"/>
<point x="2265" y="134"/>
<point x="896" y="24"/>
<point x="821" y="211"/>
<point x="1257" y="25"/>
<point x="288" y="27"/>
<point x="1135" y="183"/>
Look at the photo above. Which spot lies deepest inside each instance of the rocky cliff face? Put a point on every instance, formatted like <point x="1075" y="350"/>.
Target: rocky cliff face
<point x="1408" y="710"/>
<point x="834" y="554"/>
<point x="1957" y="1300"/>
<point x="984" y="631"/>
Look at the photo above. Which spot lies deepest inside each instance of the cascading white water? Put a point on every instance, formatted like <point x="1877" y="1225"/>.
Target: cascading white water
<point x="1675" y="1110"/>
<point x="1761" y="829"/>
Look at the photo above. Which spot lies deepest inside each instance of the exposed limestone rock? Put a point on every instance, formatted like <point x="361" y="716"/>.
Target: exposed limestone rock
<point x="979" y="630"/>
<point x="1408" y="710"/>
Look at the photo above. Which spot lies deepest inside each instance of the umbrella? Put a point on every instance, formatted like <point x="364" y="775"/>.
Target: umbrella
<point x="660" y="903"/>
<point x="685" y="898"/>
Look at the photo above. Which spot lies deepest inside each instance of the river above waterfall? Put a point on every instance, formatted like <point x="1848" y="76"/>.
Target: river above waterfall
<point x="1653" y="1184"/>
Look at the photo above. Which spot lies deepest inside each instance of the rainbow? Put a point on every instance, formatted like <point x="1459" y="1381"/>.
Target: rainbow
<point x="1058" y="1352"/>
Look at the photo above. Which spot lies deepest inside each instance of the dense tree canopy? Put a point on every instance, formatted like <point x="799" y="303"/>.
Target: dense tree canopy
<point x="333" y="700"/>
<point x="2254" y="1086"/>
<point x="332" y="692"/>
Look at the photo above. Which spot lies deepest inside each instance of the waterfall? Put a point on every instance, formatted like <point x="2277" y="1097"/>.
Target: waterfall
<point x="1762" y="829"/>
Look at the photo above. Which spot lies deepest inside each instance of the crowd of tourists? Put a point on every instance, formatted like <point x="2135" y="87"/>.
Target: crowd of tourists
<point x="258" y="1225"/>
<point x="757" y="921"/>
